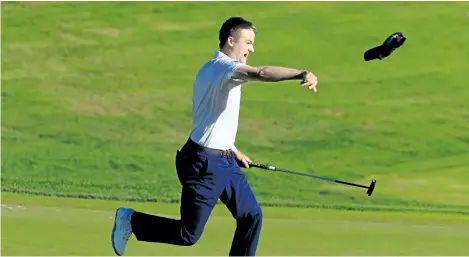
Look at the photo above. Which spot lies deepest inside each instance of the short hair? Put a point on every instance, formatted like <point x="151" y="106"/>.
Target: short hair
<point x="231" y="26"/>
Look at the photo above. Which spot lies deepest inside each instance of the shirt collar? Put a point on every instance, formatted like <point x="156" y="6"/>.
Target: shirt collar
<point x="218" y="54"/>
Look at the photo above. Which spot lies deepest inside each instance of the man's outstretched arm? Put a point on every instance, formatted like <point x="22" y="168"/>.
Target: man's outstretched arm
<point x="275" y="74"/>
<point x="267" y="73"/>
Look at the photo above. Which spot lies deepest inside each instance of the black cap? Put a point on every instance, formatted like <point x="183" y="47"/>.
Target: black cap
<point x="390" y="44"/>
<point x="230" y="25"/>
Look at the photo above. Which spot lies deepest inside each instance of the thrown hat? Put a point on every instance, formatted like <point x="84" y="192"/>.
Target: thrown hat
<point x="390" y="44"/>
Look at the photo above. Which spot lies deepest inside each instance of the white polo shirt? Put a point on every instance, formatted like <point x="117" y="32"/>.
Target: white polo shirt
<point x="215" y="103"/>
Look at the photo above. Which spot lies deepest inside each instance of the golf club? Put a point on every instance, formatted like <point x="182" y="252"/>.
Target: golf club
<point x="270" y="167"/>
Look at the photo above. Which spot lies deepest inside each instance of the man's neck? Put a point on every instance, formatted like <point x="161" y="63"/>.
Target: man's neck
<point x="228" y="53"/>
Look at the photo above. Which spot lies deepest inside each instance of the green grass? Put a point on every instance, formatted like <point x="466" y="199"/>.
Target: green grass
<point x="96" y="100"/>
<point x="57" y="226"/>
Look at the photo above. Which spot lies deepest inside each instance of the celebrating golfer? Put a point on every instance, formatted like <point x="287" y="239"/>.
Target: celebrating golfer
<point x="208" y="163"/>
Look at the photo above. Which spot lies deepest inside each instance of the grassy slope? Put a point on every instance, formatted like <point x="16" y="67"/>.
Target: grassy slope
<point x="82" y="227"/>
<point x="96" y="99"/>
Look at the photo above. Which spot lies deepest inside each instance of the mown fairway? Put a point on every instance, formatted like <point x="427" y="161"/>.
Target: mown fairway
<point x="48" y="226"/>
<point x="96" y="100"/>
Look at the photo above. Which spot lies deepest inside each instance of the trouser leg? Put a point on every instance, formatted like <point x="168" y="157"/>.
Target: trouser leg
<point x="241" y="201"/>
<point x="198" y="198"/>
<point x="185" y="231"/>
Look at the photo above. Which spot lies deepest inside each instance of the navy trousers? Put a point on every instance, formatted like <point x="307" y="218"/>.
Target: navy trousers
<point x="205" y="177"/>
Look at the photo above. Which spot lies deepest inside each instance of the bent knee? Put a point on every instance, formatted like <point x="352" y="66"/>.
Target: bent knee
<point x="258" y="215"/>
<point x="252" y="216"/>
<point x="190" y="240"/>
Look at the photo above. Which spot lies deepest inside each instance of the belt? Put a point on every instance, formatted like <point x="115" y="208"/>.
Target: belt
<point x="192" y="146"/>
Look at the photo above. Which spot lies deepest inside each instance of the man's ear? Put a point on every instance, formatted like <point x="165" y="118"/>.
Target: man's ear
<point x="230" y="41"/>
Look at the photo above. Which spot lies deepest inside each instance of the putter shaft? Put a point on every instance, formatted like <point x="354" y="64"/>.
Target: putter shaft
<point x="352" y="184"/>
<point x="273" y="168"/>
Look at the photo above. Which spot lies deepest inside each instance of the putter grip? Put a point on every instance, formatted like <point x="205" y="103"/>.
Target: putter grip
<point x="258" y="165"/>
<point x="262" y="166"/>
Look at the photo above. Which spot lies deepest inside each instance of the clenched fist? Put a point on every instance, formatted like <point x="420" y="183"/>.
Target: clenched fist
<point x="309" y="80"/>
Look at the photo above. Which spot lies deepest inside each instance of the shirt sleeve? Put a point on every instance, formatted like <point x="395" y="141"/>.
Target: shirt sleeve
<point x="232" y="68"/>
<point x="229" y="67"/>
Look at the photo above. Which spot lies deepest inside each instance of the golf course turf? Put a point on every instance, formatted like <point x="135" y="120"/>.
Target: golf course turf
<point x="96" y="99"/>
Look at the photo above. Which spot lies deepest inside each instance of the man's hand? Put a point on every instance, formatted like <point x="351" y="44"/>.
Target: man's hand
<point x="242" y="159"/>
<point x="310" y="80"/>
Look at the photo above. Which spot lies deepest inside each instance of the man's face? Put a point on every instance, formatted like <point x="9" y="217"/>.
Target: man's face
<point x="242" y="44"/>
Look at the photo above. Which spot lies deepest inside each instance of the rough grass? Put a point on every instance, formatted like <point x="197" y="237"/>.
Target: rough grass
<point x="96" y="100"/>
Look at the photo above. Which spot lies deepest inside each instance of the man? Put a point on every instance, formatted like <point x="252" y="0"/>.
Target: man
<point x="208" y="163"/>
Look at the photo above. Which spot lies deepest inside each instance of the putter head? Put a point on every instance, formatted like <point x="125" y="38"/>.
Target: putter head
<point x="371" y="188"/>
